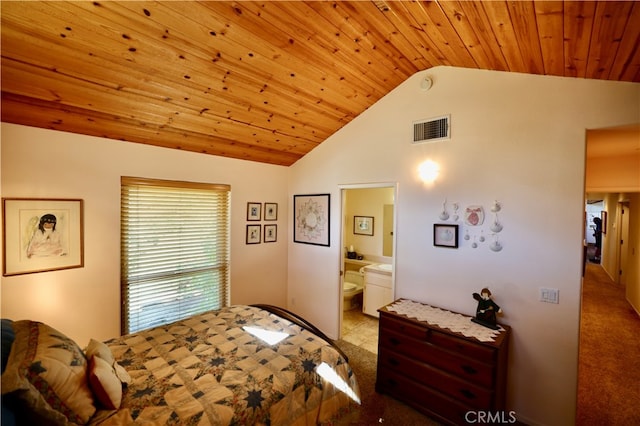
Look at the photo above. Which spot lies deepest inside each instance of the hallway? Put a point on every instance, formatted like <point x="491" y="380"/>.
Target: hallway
<point x="609" y="354"/>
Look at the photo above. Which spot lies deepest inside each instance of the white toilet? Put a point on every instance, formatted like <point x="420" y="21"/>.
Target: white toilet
<point x="352" y="286"/>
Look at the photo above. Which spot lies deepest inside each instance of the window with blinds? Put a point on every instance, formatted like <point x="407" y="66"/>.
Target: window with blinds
<point x="174" y="250"/>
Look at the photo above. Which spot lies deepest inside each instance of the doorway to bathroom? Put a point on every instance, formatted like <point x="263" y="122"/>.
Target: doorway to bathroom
<point x="368" y="238"/>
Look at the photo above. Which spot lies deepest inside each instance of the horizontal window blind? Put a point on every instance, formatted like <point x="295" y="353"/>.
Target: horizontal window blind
<point x="174" y="250"/>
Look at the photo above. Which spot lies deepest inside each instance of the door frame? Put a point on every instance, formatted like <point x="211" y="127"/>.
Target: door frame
<point x="343" y="193"/>
<point x="622" y="242"/>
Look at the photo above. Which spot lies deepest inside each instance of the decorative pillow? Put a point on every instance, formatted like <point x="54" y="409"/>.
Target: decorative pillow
<point x="47" y="374"/>
<point x="106" y="386"/>
<point x="101" y="350"/>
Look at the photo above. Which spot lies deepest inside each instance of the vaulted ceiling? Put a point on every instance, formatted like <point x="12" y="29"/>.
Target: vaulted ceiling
<point x="268" y="81"/>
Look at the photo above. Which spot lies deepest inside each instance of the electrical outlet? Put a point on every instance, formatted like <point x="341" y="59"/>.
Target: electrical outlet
<point x="549" y="295"/>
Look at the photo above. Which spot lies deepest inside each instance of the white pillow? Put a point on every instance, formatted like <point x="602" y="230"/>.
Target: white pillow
<point x="105" y="384"/>
<point x="101" y="350"/>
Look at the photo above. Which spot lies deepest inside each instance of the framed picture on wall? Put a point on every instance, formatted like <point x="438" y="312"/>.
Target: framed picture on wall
<point x="311" y="219"/>
<point x="42" y="235"/>
<point x="270" y="211"/>
<point x="363" y="225"/>
<point x="603" y="217"/>
<point x="253" y="234"/>
<point x="445" y="235"/>
<point x="253" y="211"/>
<point x="270" y="233"/>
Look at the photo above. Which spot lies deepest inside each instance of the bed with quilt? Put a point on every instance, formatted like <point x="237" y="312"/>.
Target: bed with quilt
<point x="216" y="368"/>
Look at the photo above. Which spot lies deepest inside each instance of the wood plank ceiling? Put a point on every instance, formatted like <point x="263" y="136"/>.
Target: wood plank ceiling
<point x="268" y="81"/>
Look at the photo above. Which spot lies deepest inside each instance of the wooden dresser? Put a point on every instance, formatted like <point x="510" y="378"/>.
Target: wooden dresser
<point x="437" y="371"/>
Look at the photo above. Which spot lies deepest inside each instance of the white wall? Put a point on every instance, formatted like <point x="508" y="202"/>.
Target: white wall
<point x="516" y="138"/>
<point x="84" y="302"/>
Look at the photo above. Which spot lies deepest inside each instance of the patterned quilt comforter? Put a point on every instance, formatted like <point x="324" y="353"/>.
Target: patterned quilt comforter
<point x="209" y="370"/>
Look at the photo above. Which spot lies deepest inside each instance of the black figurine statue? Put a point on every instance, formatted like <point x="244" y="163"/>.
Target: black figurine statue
<point x="486" y="310"/>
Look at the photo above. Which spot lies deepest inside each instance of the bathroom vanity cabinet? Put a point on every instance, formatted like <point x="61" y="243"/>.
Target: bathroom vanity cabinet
<point x="355" y="265"/>
<point x="378" y="290"/>
<point x="439" y="372"/>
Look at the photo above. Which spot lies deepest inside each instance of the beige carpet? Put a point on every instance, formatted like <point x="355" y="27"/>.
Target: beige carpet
<point x="609" y="356"/>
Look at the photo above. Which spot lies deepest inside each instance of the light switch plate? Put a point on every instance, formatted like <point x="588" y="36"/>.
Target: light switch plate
<point x="549" y="295"/>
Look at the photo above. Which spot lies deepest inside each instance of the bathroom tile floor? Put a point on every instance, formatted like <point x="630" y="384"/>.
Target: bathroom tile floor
<point x="360" y="329"/>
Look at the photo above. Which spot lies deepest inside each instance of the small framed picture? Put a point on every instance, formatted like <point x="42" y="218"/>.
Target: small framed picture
<point x="270" y="233"/>
<point x="445" y="235"/>
<point x="42" y="235"/>
<point x="363" y="225"/>
<point x="270" y="211"/>
<point x="254" y="211"/>
<point x="254" y="234"/>
<point x="603" y="218"/>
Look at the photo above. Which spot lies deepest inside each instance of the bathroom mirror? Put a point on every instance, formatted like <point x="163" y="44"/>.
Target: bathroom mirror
<point x="369" y="221"/>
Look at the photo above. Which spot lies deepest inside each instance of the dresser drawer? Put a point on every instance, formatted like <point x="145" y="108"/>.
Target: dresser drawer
<point x="472" y="350"/>
<point x="465" y="368"/>
<point x="457" y="344"/>
<point x="422" y="398"/>
<point x="404" y="327"/>
<point x="472" y="395"/>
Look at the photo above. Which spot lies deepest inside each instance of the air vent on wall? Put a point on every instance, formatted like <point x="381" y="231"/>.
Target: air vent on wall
<point x="432" y="130"/>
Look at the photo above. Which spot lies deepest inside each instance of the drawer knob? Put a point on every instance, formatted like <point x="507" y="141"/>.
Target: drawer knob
<point x="394" y="341"/>
<point x="467" y="393"/>
<point x="394" y="362"/>
<point x="469" y="369"/>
